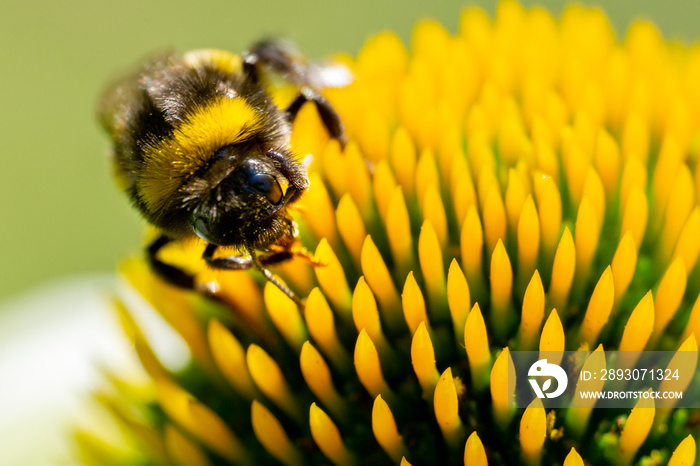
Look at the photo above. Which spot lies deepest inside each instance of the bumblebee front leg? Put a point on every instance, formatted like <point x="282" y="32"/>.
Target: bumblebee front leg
<point x="329" y="117"/>
<point x="226" y="263"/>
<point x="252" y="260"/>
<point x="171" y="274"/>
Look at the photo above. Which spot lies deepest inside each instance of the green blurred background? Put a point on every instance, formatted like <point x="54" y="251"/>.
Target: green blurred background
<point x="61" y="213"/>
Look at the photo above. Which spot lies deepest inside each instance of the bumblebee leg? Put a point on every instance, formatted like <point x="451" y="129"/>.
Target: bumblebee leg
<point x="245" y="262"/>
<point x="279" y="56"/>
<point x="275" y="257"/>
<point x="169" y="273"/>
<point x="329" y="117"/>
<point x="226" y="263"/>
<point x="308" y="256"/>
<point x="286" y="61"/>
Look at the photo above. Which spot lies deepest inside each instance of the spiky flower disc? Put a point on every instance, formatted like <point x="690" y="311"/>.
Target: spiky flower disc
<point x="528" y="183"/>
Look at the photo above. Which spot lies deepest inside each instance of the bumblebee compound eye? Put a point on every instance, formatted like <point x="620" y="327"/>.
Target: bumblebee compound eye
<point x="256" y="180"/>
<point x="201" y="229"/>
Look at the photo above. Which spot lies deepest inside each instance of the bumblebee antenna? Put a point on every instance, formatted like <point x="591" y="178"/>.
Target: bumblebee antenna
<point x="268" y="275"/>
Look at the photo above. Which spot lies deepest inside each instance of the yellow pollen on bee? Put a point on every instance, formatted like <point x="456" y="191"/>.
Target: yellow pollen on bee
<point x="222" y="122"/>
<point x="221" y="59"/>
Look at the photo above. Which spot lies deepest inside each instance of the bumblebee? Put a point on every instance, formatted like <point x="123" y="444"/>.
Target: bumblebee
<point x="201" y="149"/>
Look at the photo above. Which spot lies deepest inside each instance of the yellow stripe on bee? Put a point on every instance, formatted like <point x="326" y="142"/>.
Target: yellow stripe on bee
<point x="222" y="122"/>
<point x="219" y="59"/>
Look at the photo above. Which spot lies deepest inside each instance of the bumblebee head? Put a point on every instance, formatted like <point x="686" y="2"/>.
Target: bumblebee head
<point x="246" y="199"/>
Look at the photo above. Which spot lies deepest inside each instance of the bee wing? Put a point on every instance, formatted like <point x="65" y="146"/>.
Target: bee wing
<point x="283" y="58"/>
<point x="328" y="74"/>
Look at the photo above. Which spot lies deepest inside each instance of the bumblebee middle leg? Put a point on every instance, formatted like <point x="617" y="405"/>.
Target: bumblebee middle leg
<point x="329" y="117"/>
<point x="171" y="274"/>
